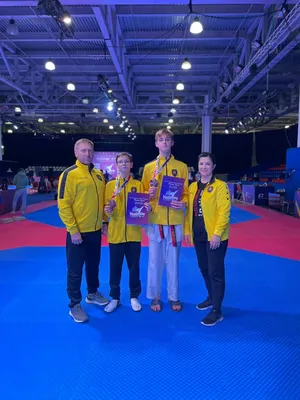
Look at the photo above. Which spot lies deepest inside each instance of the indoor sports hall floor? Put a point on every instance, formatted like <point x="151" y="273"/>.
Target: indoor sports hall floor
<point x="254" y="354"/>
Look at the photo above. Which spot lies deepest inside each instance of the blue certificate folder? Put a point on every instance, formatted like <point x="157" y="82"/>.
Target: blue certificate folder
<point x="171" y="189"/>
<point x="136" y="213"/>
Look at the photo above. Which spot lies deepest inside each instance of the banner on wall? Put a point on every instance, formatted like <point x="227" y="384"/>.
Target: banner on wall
<point x="248" y="194"/>
<point x="232" y="190"/>
<point x="106" y="161"/>
<point x="297" y="204"/>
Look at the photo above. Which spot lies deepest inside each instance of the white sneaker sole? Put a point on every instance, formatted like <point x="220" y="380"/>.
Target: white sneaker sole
<point x="77" y="320"/>
<point x="89" y="301"/>
<point x="204" y="308"/>
<point x="219" y="320"/>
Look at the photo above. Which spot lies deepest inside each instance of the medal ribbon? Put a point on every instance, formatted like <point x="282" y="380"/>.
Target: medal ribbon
<point x="158" y="169"/>
<point x="118" y="189"/>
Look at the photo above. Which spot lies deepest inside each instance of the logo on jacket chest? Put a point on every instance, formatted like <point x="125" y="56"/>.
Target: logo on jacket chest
<point x="99" y="177"/>
<point x="174" y="172"/>
<point x="133" y="189"/>
<point x="210" y="189"/>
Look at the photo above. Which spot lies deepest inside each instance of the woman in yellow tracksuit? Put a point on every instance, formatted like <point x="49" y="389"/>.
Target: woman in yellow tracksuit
<point x="124" y="240"/>
<point x="207" y="227"/>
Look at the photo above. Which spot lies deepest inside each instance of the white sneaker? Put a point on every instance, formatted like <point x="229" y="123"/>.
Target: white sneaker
<point x="112" y="305"/>
<point x="135" y="304"/>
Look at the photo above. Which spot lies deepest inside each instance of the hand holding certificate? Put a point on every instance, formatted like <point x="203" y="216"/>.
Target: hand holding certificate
<point x="171" y="192"/>
<point x="138" y="208"/>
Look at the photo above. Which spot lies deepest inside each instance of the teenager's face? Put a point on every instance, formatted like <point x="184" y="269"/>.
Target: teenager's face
<point x="164" y="144"/>
<point x="124" y="165"/>
<point x="206" y="166"/>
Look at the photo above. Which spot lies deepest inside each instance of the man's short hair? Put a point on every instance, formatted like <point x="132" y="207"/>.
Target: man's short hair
<point x="165" y="132"/>
<point x="83" y="141"/>
<point x="124" y="154"/>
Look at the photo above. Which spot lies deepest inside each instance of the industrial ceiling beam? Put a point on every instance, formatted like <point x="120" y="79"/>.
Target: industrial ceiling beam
<point x="32" y="3"/>
<point x="281" y="33"/>
<point x="181" y="10"/>
<point x="99" y="54"/>
<point x="109" y="26"/>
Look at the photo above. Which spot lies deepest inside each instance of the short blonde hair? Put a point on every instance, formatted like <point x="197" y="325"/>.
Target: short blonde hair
<point x="83" y="141"/>
<point x="165" y="132"/>
<point x="124" y="154"/>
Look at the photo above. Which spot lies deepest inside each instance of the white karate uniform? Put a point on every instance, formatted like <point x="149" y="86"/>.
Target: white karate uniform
<point x="161" y="253"/>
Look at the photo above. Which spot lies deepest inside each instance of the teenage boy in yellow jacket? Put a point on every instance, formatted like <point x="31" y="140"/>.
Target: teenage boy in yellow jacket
<point x="207" y="227"/>
<point x="80" y="204"/>
<point x="165" y="230"/>
<point x="124" y="240"/>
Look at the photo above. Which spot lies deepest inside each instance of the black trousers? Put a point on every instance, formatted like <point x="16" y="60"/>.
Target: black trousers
<point x="132" y="253"/>
<point x="88" y="253"/>
<point x="212" y="267"/>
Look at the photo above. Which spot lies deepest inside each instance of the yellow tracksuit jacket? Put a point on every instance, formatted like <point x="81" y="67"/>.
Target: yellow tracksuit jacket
<point x="118" y="230"/>
<point x="216" y="206"/>
<point x="161" y="215"/>
<point x="81" y="198"/>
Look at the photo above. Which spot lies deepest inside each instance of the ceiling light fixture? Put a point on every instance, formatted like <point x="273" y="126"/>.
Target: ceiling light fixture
<point x="180" y="86"/>
<point x="67" y="19"/>
<point x="71" y="86"/>
<point x="196" y="26"/>
<point x="12" y="28"/>
<point x="186" y="64"/>
<point x="49" y="65"/>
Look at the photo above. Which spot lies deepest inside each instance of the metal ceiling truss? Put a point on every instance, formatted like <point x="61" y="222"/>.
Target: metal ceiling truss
<point x="270" y="107"/>
<point x="138" y="50"/>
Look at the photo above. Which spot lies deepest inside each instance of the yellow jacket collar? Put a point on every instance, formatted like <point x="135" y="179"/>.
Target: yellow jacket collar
<point x="84" y="166"/>
<point x="163" y="159"/>
<point x="212" y="180"/>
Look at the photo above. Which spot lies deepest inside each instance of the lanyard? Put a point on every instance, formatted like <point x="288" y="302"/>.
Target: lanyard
<point x="158" y="169"/>
<point x="118" y="189"/>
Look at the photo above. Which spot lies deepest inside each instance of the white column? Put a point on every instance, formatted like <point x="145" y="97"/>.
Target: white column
<point x="1" y="150"/>
<point x="206" y="126"/>
<point x="206" y="133"/>
<point x="298" y="139"/>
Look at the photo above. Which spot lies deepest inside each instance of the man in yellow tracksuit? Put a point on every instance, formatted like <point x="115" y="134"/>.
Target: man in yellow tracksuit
<point x="80" y="203"/>
<point x="165" y="230"/>
<point x="124" y="240"/>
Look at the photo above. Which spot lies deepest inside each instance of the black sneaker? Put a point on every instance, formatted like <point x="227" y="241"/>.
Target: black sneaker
<point x="204" y="305"/>
<point x="212" y="318"/>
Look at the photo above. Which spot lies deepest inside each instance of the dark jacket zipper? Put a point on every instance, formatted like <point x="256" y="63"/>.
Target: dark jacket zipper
<point x="97" y="199"/>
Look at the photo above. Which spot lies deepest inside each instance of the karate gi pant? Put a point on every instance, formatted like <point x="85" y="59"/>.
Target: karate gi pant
<point x="162" y="253"/>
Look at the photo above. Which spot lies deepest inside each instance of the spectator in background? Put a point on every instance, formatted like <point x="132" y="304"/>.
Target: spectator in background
<point x="21" y="182"/>
<point x="256" y="177"/>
